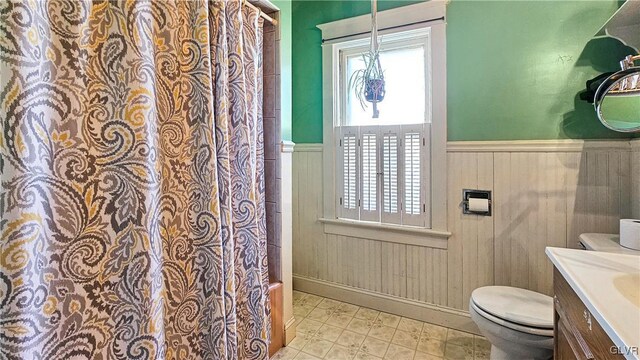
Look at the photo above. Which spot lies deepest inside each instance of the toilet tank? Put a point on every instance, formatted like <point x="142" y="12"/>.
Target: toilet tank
<point x="604" y="242"/>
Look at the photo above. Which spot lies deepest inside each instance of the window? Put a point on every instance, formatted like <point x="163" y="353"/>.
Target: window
<point x="405" y="100"/>
<point x="382" y="176"/>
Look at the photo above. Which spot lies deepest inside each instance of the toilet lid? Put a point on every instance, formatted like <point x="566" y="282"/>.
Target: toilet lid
<point x="516" y="305"/>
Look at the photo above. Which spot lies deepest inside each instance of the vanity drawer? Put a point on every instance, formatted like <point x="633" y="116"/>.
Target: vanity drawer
<point x="576" y="325"/>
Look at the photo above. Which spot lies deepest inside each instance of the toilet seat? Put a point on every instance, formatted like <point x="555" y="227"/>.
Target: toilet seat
<point x="511" y="325"/>
<point x="518" y="309"/>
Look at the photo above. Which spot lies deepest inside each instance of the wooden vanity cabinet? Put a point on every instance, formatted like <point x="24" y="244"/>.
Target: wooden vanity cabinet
<point x="577" y="334"/>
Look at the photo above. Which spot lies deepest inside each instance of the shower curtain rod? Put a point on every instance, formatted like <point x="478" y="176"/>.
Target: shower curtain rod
<point x="273" y="21"/>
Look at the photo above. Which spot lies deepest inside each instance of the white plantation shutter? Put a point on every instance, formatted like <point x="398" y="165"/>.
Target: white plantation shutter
<point x="412" y="173"/>
<point x="348" y="172"/>
<point x="369" y="204"/>
<point x="384" y="174"/>
<point x="391" y="203"/>
<point x="414" y="179"/>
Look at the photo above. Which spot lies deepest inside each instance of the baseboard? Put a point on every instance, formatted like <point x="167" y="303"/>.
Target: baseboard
<point x="439" y="315"/>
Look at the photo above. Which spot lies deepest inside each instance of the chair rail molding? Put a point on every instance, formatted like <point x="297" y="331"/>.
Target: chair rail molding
<point x="287" y="146"/>
<point x="563" y="145"/>
<point x="314" y="147"/>
<point x="569" y="145"/>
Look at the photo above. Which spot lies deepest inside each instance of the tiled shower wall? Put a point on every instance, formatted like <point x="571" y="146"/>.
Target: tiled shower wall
<point x="271" y="123"/>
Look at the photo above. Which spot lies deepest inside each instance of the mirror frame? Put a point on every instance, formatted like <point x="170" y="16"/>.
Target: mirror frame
<point x="604" y="88"/>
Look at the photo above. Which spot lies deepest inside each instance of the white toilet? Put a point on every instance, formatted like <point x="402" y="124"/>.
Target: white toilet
<point x="517" y="322"/>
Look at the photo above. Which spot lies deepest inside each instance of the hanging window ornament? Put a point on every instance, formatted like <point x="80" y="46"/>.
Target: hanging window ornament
<point x="368" y="83"/>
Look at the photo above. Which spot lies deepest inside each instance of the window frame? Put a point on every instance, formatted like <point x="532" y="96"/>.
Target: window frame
<point x="412" y="19"/>
<point x="418" y="38"/>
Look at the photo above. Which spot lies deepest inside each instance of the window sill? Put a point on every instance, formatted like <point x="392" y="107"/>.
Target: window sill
<point x="409" y="235"/>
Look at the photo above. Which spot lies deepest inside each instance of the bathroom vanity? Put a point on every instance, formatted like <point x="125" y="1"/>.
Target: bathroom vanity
<point x="577" y="334"/>
<point x="596" y="303"/>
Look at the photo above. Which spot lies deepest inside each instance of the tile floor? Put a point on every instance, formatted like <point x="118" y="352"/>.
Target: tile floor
<point x="330" y="329"/>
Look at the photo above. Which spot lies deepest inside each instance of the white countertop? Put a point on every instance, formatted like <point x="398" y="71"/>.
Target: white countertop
<point x="609" y="285"/>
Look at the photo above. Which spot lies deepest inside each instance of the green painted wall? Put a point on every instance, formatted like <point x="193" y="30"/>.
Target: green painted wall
<point x="514" y="68"/>
<point x="286" y="14"/>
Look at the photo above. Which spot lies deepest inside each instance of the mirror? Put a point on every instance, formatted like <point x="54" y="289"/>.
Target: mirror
<point x="617" y="101"/>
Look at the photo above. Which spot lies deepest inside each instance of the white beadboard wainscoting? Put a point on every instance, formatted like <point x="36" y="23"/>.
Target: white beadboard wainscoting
<point x="545" y="193"/>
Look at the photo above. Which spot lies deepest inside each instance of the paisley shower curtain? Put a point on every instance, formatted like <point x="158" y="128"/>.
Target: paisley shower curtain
<point x="132" y="199"/>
